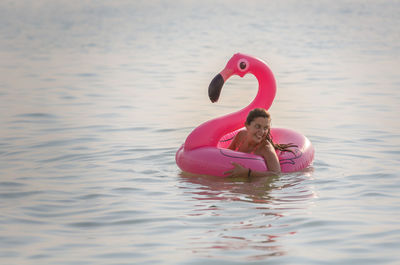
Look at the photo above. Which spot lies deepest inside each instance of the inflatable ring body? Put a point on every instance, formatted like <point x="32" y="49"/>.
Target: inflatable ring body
<point x="214" y="161"/>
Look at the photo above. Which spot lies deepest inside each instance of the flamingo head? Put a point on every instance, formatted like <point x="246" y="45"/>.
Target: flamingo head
<point x="240" y="64"/>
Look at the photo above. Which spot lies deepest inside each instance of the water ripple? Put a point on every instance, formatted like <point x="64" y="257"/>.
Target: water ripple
<point x="91" y="122"/>
<point x="17" y="195"/>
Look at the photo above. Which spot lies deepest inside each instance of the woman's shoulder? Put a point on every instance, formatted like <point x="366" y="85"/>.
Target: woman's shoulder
<point x="237" y="140"/>
<point x="240" y="134"/>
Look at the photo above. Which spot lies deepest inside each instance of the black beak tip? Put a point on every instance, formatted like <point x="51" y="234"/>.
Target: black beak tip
<point x="215" y="87"/>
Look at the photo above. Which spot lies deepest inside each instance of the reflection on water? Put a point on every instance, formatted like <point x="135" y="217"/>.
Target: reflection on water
<point x="214" y="188"/>
<point x="245" y="214"/>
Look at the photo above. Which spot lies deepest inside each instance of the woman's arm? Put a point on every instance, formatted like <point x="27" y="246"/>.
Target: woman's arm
<point x="240" y="171"/>
<point x="271" y="159"/>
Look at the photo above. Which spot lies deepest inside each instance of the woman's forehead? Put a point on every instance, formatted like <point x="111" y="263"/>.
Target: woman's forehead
<point x="261" y="121"/>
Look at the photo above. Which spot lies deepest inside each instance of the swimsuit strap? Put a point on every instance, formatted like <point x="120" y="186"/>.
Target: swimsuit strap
<point x="239" y="145"/>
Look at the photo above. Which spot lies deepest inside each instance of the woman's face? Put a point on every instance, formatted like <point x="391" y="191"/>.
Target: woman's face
<point x="258" y="129"/>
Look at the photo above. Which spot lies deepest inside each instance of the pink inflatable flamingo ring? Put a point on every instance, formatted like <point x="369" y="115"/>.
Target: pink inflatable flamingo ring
<point x="205" y="150"/>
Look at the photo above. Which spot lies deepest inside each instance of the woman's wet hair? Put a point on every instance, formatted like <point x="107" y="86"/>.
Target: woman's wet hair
<point x="256" y="113"/>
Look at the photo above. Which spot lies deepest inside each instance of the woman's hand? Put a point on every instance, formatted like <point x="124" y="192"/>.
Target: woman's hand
<point x="237" y="171"/>
<point x="265" y="141"/>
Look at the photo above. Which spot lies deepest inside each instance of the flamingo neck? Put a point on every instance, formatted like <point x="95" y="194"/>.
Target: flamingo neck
<point x="209" y="133"/>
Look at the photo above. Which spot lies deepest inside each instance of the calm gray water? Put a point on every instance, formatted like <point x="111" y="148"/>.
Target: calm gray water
<point x="96" y="97"/>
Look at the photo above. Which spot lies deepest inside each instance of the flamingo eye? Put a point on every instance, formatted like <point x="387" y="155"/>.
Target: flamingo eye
<point x="243" y="65"/>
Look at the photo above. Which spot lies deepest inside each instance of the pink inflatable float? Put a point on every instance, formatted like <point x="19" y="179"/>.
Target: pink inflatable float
<point x="204" y="151"/>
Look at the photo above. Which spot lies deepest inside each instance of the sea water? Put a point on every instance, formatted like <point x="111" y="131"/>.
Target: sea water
<point x="97" y="96"/>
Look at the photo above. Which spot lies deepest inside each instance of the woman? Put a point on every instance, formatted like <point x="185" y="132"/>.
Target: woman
<point x="257" y="139"/>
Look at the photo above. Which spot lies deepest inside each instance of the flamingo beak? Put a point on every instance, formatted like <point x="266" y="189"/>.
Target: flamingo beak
<point x="215" y="87"/>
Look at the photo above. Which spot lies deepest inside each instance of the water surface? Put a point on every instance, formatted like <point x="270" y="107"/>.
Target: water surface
<point x="96" y="97"/>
